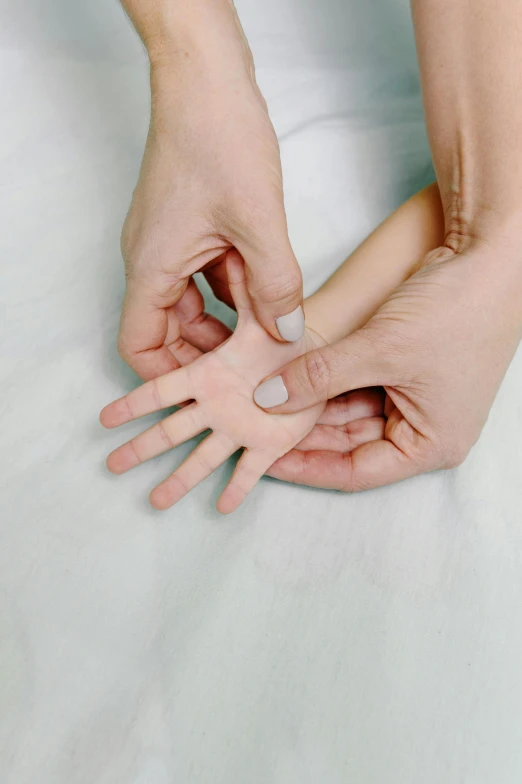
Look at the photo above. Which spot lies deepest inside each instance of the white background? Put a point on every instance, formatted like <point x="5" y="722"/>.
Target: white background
<point x="310" y="637"/>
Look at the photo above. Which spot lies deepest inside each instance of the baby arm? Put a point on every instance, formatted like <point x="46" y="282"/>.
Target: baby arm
<point x="379" y="265"/>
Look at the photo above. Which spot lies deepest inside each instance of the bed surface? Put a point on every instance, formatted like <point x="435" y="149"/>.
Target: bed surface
<point x="310" y="637"/>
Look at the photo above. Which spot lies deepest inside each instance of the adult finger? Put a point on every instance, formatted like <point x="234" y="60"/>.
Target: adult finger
<point x="352" y="363"/>
<point x="199" y="328"/>
<point x="359" y="404"/>
<point x="343" y="438"/>
<point x="144" y="326"/>
<point x="371" y="465"/>
<point x="237" y="283"/>
<point x="183" y="351"/>
<point x="217" y="278"/>
<point x="275" y="286"/>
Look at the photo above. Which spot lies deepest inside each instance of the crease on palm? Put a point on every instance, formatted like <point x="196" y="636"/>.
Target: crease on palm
<point x="221" y="384"/>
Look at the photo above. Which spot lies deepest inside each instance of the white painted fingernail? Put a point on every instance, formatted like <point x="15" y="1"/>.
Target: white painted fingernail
<point x="271" y="393"/>
<point x="292" y="326"/>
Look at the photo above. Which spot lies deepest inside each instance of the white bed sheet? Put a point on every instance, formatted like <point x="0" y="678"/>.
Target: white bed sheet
<point x="310" y="637"/>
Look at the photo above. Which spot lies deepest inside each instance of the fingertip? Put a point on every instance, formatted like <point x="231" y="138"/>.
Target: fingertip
<point x="114" y="465"/>
<point x="271" y="393"/>
<point x="122" y="459"/>
<point x="226" y="505"/>
<point x="104" y="417"/>
<point x="291" y="327"/>
<point x="115" y="414"/>
<point x="238" y="284"/>
<point x="160" y="499"/>
<point x="221" y="508"/>
<point x="168" y="493"/>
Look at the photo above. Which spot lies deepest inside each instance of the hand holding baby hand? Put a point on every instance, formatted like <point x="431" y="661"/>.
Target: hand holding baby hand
<point x="221" y="385"/>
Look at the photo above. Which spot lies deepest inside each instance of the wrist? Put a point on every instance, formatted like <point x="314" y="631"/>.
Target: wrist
<point x="326" y="330"/>
<point x="196" y="58"/>
<point x="476" y="221"/>
<point x="483" y="206"/>
<point x="187" y="36"/>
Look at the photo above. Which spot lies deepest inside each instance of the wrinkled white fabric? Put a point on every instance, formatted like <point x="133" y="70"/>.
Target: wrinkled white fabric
<point x="310" y="637"/>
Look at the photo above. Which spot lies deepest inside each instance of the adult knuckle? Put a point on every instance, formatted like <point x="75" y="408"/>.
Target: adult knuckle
<point x="135" y="247"/>
<point x="148" y="252"/>
<point x="126" y="236"/>
<point x="452" y="452"/>
<point x="279" y="289"/>
<point x="352" y="481"/>
<point x="395" y="341"/>
<point x="134" y="260"/>
<point x="456" y="454"/>
<point x="123" y="348"/>
<point x="125" y="245"/>
<point x="317" y="373"/>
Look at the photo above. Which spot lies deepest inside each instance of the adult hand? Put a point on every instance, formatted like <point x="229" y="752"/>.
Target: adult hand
<point x="210" y="180"/>
<point x="441" y="344"/>
<point x="439" y="347"/>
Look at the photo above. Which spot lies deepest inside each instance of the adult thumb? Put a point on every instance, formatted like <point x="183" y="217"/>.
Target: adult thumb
<point x="321" y="374"/>
<point x="275" y="285"/>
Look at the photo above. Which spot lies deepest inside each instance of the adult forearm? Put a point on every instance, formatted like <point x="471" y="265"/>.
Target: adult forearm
<point x="469" y="56"/>
<point x="176" y="30"/>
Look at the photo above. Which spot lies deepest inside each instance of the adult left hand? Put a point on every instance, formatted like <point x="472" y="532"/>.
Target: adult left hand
<point x="439" y="348"/>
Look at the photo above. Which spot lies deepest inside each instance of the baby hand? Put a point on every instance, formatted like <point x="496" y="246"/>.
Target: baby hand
<point x="221" y="384"/>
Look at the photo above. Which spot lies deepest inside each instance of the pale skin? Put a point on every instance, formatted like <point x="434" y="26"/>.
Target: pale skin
<point x="210" y="181"/>
<point x="442" y="342"/>
<point x="221" y="383"/>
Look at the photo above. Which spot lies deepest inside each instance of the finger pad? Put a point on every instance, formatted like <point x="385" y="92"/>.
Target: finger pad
<point x="159" y="500"/>
<point x="116" y="463"/>
<point x="227" y="503"/>
<point x="114" y="414"/>
<point x="163" y="497"/>
<point x="106" y="416"/>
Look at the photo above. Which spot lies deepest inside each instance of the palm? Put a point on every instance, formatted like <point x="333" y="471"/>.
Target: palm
<point x="224" y="381"/>
<point x="221" y="384"/>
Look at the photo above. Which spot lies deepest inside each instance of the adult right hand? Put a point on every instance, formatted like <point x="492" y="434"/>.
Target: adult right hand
<point x="210" y="180"/>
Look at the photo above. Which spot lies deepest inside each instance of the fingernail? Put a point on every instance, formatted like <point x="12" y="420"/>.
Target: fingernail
<point x="292" y="326"/>
<point x="271" y="393"/>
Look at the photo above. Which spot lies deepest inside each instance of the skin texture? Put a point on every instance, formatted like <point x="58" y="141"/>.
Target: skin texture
<point x="441" y="344"/>
<point x="222" y="382"/>
<point x="210" y="181"/>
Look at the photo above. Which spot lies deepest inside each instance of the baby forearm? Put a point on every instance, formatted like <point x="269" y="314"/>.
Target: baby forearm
<point x="378" y="266"/>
